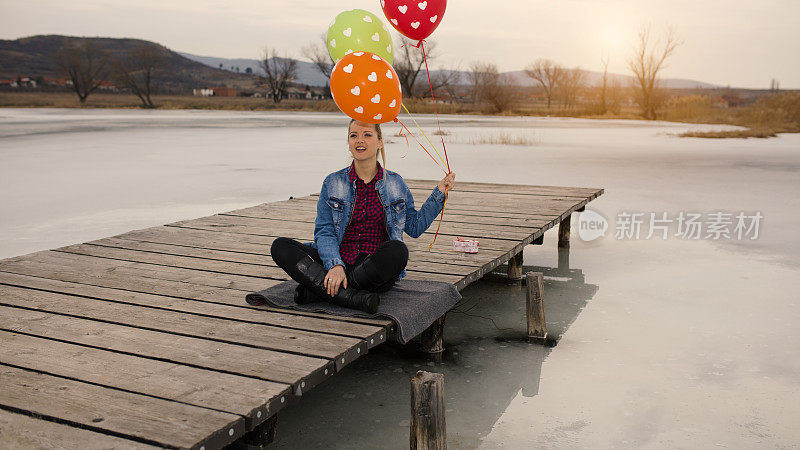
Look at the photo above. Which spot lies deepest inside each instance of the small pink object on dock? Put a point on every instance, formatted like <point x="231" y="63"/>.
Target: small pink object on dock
<point x="465" y="245"/>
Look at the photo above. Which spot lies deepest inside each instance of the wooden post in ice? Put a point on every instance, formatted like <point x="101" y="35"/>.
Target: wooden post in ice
<point x="534" y="307"/>
<point x="563" y="232"/>
<point x="427" y="412"/>
<point x="431" y="340"/>
<point x="515" y="267"/>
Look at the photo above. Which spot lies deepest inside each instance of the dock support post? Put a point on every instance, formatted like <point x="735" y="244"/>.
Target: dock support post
<point x="260" y="436"/>
<point x="430" y="341"/>
<point x="563" y="262"/>
<point x="515" y="267"/>
<point x="534" y="307"/>
<point x="428" y="431"/>
<point x="563" y="232"/>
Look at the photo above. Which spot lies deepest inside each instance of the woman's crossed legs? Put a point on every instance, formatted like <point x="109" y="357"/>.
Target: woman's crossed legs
<point x="375" y="273"/>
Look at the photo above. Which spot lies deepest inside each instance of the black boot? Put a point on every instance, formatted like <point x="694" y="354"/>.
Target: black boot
<point x="303" y="296"/>
<point x="314" y="275"/>
<point x="355" y="299"/>
<point x="378" y="271"/>
<point x="366" y="276"/>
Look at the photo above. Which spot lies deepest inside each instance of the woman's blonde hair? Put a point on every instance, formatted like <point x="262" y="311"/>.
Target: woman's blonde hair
<point x="380" y="138"/>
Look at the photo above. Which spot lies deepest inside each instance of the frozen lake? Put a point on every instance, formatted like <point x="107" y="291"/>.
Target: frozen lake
<point x="662" y="343"/>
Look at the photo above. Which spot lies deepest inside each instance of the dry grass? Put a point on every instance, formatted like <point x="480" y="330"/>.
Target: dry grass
<point x="747" y="133"/>
<point x="772" y="114"/>
<point x="69" y="100"/>
<point x="501" y="138"/>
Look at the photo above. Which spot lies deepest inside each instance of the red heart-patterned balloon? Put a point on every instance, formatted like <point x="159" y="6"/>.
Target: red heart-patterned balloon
<point x="415" y="19"/>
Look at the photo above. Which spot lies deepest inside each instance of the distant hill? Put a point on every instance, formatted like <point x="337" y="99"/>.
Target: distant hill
<point x="307" y="73"/>
<point x="182" y="72"/>
<point x="32" y="56"/>
<point x="596" y="79"/>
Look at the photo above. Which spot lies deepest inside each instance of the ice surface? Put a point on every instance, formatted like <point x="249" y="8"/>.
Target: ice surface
<point x="661" y="343"/>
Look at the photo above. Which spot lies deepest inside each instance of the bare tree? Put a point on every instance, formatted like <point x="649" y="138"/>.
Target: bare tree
<point x="614" y="96"/>
<point x="548" y="74"/>
<point x="409" y="62"/>
<point x="477" y="77"/>
<point x="604" y="59"/>
<point x="446" y="80"/>
<point x="318" y="54"/>
<point x="646" y="62"/>
<point x="135" y="71"/>
<point x="279" y="72"/>
<point x="500" y="92"/>
<point x="570" y="82"/>
<point x="451" y="82"/>
<point x="86" y="65"/>
<point x="494" y="88"/>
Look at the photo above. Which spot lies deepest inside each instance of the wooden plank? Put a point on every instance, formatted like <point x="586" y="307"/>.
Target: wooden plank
<point x="462" y="205"/>
<point x="423" y="193"/>
<point x="257" y="363"/>
<point x="508" y="188"/>
<point x="253" y="399"/>
<point x="100" y="267"/>
<point x="489" y="202"/>
<point x="309" y="214"/>
<point x="305" y="343"/>
<point x="306" y="235"/>
<point x="257" y="271"/>
<point x="311" y="202"/>
<point x="280" y="227"/>
<point x="267" y="269"/>
<point x="495" y="196"/>
<point x="255" y="257"/>
<point x="260" y="245"/>
<point x="460" y="283"/>
<point x="140" y="261"/>
<point x="113" y="411"/>
<point x="50" y="267"/>
<point x="237" y="225"/>
<point x="18" y="431"/>
<point x="370" y="333"/>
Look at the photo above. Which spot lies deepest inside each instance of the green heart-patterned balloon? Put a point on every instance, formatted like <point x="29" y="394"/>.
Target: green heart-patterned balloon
<point x="359" y="30"/>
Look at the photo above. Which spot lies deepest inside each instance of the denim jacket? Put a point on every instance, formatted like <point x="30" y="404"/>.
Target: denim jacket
<point x="335" y="207"/>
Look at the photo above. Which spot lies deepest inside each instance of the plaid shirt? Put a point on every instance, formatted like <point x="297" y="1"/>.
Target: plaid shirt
<point x="367" y="227"/>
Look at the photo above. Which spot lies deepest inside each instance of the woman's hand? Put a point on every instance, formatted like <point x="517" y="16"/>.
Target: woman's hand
<point x="447" y="182"/>
<point x="334" y="279"/>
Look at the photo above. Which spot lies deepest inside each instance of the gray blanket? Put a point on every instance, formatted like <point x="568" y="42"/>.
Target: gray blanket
<point x="413" y="305"/>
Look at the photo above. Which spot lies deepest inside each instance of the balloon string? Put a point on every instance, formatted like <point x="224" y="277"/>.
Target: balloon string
<point x="420" y="144"/>
<point x="423" y="133"/>
<point x="435" y="112"/>
<point x="444" y="148"/>
<point x="402" y="134"/>
<point x="440" y="221"/>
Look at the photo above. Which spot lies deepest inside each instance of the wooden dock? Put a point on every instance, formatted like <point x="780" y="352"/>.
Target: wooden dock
<point x="144" y="339"/>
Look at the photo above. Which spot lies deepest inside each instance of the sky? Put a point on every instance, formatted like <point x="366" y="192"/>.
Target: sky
<point x="725" y="42"/>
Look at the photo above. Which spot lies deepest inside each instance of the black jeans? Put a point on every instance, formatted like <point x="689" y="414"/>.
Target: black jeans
<point x="382" y="267"/>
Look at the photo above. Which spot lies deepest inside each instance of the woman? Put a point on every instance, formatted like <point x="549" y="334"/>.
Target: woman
<point x="358" y="248"/>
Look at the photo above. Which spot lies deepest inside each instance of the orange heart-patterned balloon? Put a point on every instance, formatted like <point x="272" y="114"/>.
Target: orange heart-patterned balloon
<point x="366" y="88"/>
